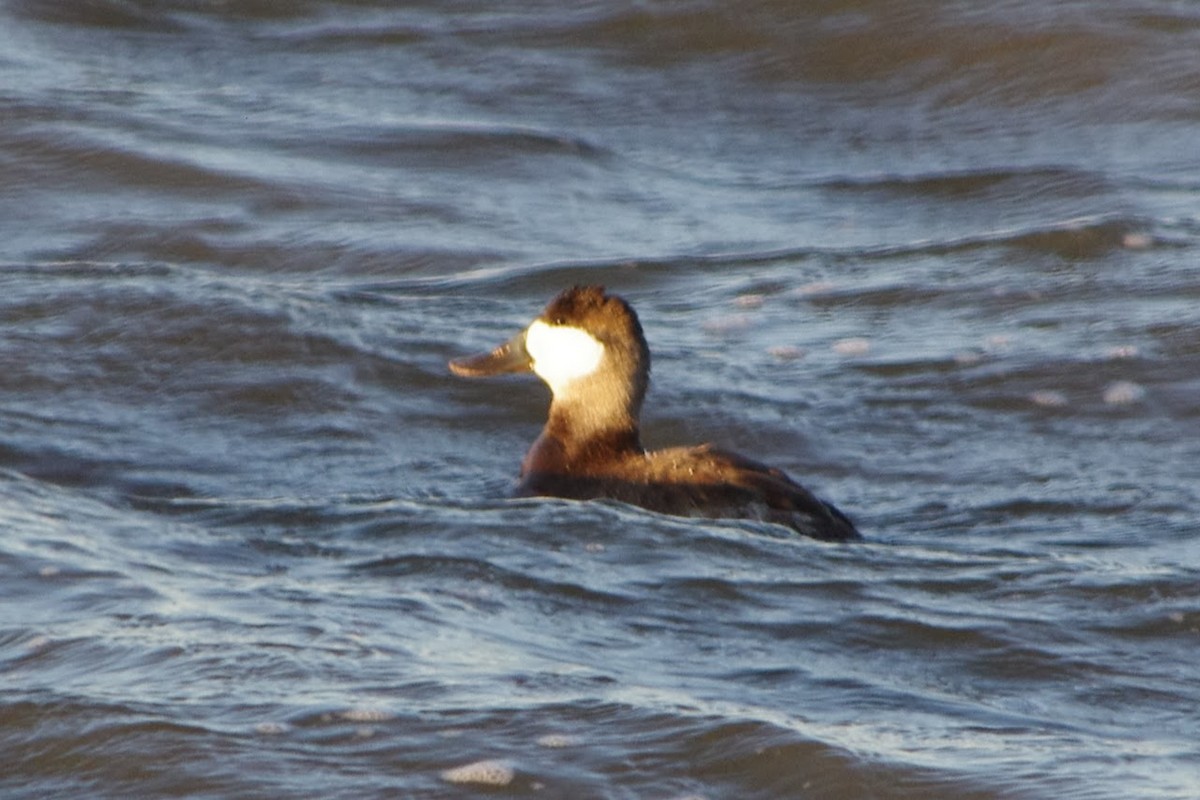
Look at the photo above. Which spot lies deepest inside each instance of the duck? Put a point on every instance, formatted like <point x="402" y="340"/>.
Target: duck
<point x="588" y="347"/>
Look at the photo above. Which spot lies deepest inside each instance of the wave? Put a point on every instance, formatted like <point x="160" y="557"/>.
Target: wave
<point x="1082" y="238"/>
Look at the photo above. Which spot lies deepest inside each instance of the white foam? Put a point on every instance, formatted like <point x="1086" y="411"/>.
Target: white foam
<point x="855" y="346"/>
<point x="1048" y="398"/>
<point x="558" y="740"/>
<point x="365" y="715"/>
<point x="1123" y="393"/>
<point x="787" y="352"/>
<point x="483" y="773"/>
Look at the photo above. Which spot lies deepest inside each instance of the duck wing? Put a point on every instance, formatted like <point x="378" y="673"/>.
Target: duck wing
<point x="729" y="484"/>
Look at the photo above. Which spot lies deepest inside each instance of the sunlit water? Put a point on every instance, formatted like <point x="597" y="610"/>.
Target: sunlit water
<point x="938" y="263"/>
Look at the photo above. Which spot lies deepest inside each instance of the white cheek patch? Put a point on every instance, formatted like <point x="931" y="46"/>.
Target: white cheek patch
<point x="561" y="354"/>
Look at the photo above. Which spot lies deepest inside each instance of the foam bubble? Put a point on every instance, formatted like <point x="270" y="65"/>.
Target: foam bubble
<point x="786" y="352"/>
<point x="1048" y="398"/>
<point x="365" y="715"/>
<point x="727" y="325"/>
<point x="489" y="772"/>
<point x="749" y="301"/>
<point x="1122" y="351"/>
<point x="1123" y="393"/>
<point x="855" y="346"/>
<point x="556" y="740"/>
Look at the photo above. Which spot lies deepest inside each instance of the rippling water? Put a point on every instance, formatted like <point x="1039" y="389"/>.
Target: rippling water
<point x="937" y="261"/>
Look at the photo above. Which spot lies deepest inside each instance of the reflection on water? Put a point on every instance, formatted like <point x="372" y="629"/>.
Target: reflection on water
<point x="936" y="262"/>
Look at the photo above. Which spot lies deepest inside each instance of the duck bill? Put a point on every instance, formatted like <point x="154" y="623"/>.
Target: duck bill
<point x="508" y="357"/>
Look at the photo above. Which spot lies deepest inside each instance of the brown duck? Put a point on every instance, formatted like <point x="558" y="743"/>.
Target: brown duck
<point x="589" y="348"/>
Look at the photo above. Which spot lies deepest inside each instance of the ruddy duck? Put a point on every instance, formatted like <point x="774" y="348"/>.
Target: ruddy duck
<point x="589" y="348"/>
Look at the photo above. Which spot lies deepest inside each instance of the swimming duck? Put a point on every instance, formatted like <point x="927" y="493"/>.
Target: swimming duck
<point x="589" y="348"/>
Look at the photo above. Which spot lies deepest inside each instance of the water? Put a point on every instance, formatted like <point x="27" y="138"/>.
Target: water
<point x="937" y="261"/>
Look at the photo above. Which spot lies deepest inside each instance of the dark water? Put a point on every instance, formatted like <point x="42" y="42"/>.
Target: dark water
<point x="938" y="260"/>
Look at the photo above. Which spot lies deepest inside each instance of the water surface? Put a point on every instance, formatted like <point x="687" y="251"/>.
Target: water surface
<point x="937" y="262"/>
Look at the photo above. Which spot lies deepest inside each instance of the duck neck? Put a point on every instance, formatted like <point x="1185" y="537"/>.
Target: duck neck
<point x="581" y="429"/>
<point x="590" y="427"/>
